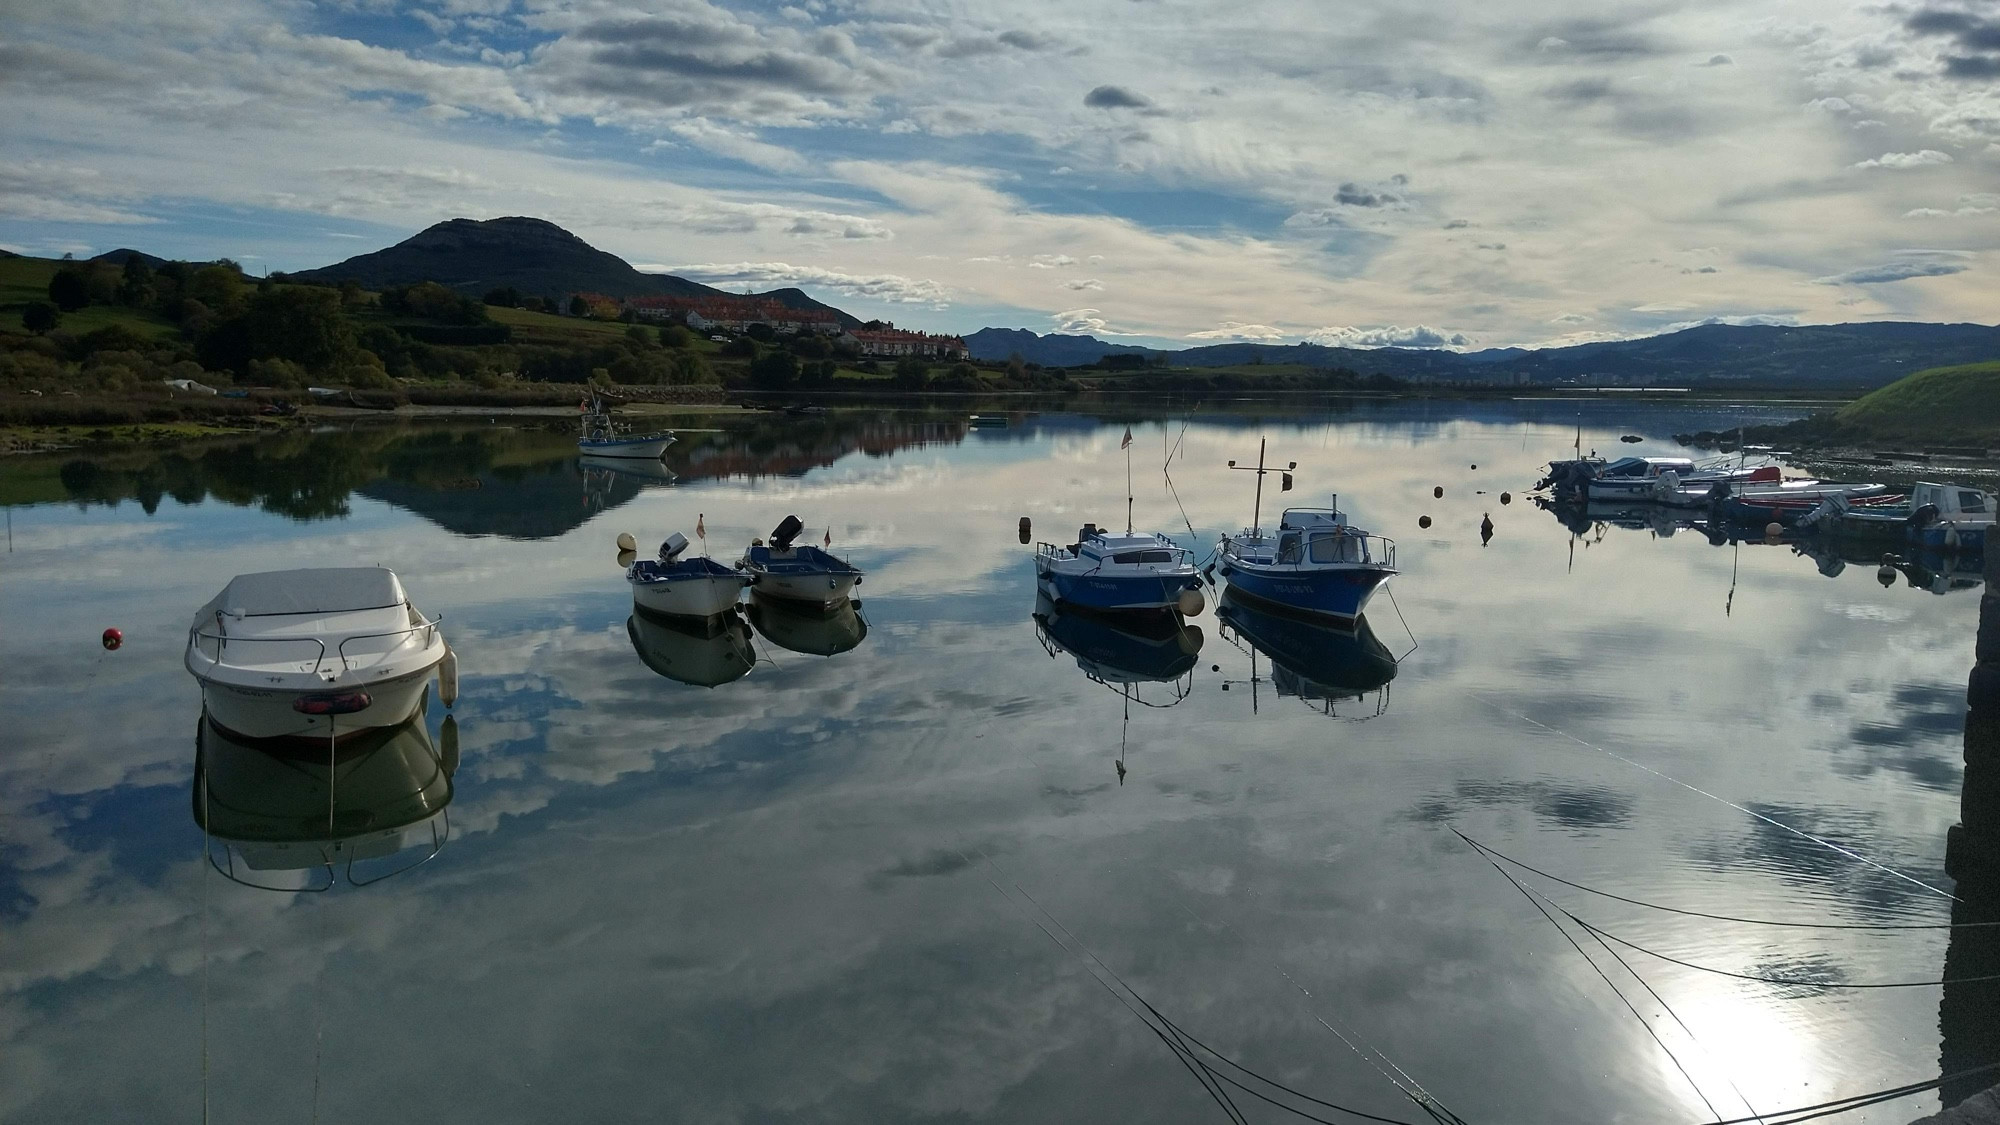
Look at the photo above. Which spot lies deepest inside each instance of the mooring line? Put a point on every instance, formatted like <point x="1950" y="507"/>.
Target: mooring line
<point x="1532" y="869"/>
<point x="1773" y="821"/>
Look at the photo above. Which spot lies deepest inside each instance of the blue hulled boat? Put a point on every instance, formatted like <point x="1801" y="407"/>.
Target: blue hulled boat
<point x="1311" y="660"/>
<point x="1315" y="563"/>
<point x="1106" y="571"/>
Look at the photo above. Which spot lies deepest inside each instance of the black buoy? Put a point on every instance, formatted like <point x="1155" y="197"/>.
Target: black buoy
<point x="1485" y="529"/>
<point x="1438" y="492"/>
<point x="1475" y="467"/>
<point x="1506" y="498"/>
<point x="1423" y="521"/>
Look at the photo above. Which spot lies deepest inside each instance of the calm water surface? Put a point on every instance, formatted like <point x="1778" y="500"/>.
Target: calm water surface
<point x="827" y="890"/>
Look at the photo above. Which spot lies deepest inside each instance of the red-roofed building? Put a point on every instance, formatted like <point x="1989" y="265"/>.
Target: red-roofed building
<point x="734" y="314"/>
<point x="896" y="342"/>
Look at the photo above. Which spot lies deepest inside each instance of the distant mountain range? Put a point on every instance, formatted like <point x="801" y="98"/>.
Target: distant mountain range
<point x="1821" y="355"/>
<point x="533" y="256"/>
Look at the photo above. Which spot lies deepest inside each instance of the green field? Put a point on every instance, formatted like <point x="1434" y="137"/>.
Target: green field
<point x="27" y="279"/>
<point x="1942" y="403"/>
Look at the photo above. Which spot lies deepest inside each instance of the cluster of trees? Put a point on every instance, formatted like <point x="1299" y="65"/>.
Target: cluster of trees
<point x="643" y="357"/>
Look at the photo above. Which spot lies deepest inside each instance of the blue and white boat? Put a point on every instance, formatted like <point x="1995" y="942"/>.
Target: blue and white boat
<point x="797" y="573"/>
<point x="598" y="436"/>
<point x="1106" y="571"/>
<point x="678" y="587"/>
<point x="1937" y="517"/>
<point x="1315" y="563"/>
<point x="1120" y="648"/>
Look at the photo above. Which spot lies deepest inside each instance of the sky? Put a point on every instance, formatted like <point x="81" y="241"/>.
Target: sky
<point x="1418" y="172"/>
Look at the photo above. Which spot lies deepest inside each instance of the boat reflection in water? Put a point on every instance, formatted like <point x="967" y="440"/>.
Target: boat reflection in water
<point x="703" y="651"/>
<point x="808" y="629"/>
<point x="298" y="815"/>
<point x="1123" y="650"/>
<point x="1320" y="664"/>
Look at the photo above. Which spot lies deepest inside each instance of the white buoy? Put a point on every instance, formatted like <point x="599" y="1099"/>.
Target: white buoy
<point x="448" y="677"/>
<point x="1774" y="530"/>
<point x="626" y="542"/>
<point x="627" y="558"/>
<point x="1190" y="602"/>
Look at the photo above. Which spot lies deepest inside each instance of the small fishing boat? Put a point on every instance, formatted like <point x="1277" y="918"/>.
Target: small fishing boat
<point x="297" y="808"/>
<point x="315" y="653"/>
<point x="806" y="629"/>
<point x="1796" y="501"/>
<point x="1655" y="478"/>
<point x="988" y="421"/>
<point x="1106" y="571"/>
<point x="599" y="436"/>
<point x="1316" y="563"/>
<point x="1940" y="517"/>
<point x="800" y="573"/>
<point x="684" y="587"/>
<point x="705" y="652"/>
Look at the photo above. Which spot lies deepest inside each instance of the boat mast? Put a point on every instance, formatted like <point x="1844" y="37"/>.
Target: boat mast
<point x="1257" y="506"/>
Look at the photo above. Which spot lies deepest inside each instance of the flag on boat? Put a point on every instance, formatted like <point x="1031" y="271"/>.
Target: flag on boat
<point x="828" y="539"/>
<point x="1126" y="442"/>
<point x="700" y="529"/>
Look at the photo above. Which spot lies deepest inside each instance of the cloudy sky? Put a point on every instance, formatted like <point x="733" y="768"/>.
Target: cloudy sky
<point x="1424" y="171"/>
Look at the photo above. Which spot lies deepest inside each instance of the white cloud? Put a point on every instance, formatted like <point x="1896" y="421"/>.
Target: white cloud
<point x="1903" y="267"/>
<point x="893" y="288"/>
<point x="1233" y="330"/>
<point x="1083" y="283"/>
<point x="1088" y="321"/>
<point x="1391" y="336"/>
<point x="1050" y="261"/>
<point x="1903" y="160"/>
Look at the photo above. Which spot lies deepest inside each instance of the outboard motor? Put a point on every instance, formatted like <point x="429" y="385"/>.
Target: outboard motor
<point x="783" y="534"/>
<point x="675" y="544"/>
<point x="1718" y="492"/>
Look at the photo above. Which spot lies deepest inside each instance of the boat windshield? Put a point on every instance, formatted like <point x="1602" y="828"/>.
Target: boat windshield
<point x="1134" y="557"/>
<point x="1332" y="548"/>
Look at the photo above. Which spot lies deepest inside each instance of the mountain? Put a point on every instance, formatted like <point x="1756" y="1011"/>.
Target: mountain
<point x="1819" y="355"/>
<point x="124" y="254"/>
<point x="533" y="256"/>
<point x="1052" y="350"/>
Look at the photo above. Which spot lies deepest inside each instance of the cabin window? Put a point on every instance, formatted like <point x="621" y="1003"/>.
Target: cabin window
<point x="1288" y="548"/>
<point x="1971" y="502"/>
<point x="1337" y="548"/>
<point x="1130" y="557"/>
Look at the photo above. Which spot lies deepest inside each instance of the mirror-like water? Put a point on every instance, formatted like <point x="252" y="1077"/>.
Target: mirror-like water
<point x="905" y="862"/>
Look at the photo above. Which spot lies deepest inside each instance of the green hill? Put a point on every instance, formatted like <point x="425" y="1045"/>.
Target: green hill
<point x="1948" y="403"/>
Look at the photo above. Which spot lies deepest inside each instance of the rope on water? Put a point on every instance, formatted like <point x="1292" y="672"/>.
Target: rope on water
<point x="1530" y="868"/>
<point x="1773" y="821"/>
<point x="1606" y="978"/>
<point x="1170" y="1033"/>
<point x="1856" y="1101"/>
<point x="1391" y="591"/>
<point x="1537" y="898"/>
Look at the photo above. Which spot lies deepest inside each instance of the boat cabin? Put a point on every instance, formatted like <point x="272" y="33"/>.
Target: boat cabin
<point x="1129" y="550"/>
<point x="1309" y="536"/>
<point x="1952" y="500"/>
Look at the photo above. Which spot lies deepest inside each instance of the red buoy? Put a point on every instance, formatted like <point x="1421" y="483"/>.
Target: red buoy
<point x="113" y="638"/>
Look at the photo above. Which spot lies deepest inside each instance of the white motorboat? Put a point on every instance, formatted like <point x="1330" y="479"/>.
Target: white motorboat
<point x="1107" y="571"/>
<point x="696" y="587"/>
<point x="599" y="436"/>
<point x="315" y="653"/>
<point x="802" y="573"/>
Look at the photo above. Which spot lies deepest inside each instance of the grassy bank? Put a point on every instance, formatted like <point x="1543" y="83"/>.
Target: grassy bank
<point x="1954" y="410"/>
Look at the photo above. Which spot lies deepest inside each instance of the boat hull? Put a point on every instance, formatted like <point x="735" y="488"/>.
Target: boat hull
<point x="812" y="589"/>
<point x="1949" y="537"/>
<point x="251" y="712"/>
<point x="689" y="597"/>
<point x="652" y="447"/>
<point x="1335" y="595"/>
<point x="1095" y="591"/>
